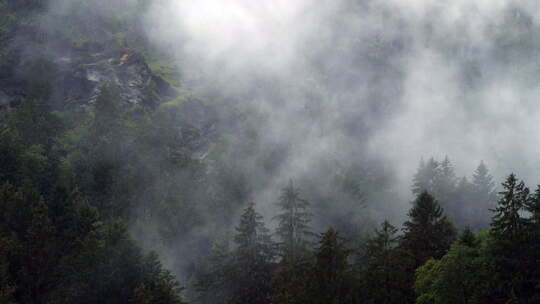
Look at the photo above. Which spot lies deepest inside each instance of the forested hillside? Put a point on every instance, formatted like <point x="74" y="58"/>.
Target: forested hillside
<point x="154" y="151"/>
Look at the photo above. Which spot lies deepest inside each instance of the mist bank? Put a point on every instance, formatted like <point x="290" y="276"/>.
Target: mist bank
<point x="381" y="80"/>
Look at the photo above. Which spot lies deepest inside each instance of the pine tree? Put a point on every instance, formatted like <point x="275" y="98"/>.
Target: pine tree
<point x="211" y="277"/>
<point x="533" y="207"/>
<point x="427" y="234"/>
<point x="483" y="197"/>
<point x="445" y="189"/>
<point x="293" y="222"/>
<point x="467" y="238"/>
<point x="253" y="260"/>
<point x="510" y="247"/>
<point x="463" y="213"/>
<point x="507" y="223"/>
<point x="380" y="280"/>
<point x="426" y="177"/>
<point x="289" y="284"/>
<point x="446" y="181"/>
<point x="332" y="275"/>
<point x="158" y="286"/>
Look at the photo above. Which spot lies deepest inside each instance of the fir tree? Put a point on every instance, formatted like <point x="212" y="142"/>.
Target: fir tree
<point x="464" y="204"/>
<point x="289" y="284"/>
<point x="251" y="276"/>
<point x="507" y="223"/>
<point x="446" y="181"/>
<point x="510" y="245"/>
<point x="533" y="207"/>
<point x="293" y="222"/>
<point x="380" y="280"/>
<point x="332" y="274"/>
<point x="467" y="238"/>
<point x="426" y="177"/>
<point x="483" y="197"/>
<point x="427" y="234"/>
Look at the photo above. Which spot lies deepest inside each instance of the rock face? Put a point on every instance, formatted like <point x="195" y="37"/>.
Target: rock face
<point x="82" y="77"/>
<point x="76" y="74"/>
<point x="72" y="75"/>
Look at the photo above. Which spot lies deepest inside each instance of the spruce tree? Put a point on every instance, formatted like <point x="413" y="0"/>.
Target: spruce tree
<point x="510" y="246"/>
<point x="446" y="181"/>
<point x="427" y="234"/>
<point x="289" y="284"/>
<point x="464" y="204"/>
<point x="293" y="222"/>
<point x="426" y="177"/>
<point x="483" y="197"/>
<point x="251" y="275"/>
<point x="332" y="275"/>
<point x="533" y="207"/>
<point x="380" y="280"/>
<point x="507" y="223"/>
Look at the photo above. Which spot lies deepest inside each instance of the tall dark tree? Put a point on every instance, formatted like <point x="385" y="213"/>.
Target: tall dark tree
<point x="510" y="247"/>
<point x="332" y="273"/>
<point x="210" y="278"/>
<point x="293" y="222"/>
<point x="507" y="223"/>
<point x="427" y="234"/>
<point x="381" y="281"/>
<point x="290" y="284"/>
<point x="254" y="256"/>
<point x="533" y="207"/>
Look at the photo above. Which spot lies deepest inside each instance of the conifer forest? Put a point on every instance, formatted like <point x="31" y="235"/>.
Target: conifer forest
<point x="269" y="152"/>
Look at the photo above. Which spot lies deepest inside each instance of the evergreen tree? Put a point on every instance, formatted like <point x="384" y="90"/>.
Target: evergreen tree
<point x="446" y="181"/>
<point x="507" y="223"/>
<point x="427" y="234"/>
<point x="332" y="274"/>
<point x="509" y="248"/>
<point x="158" y="285"/>
<point x="293" y="222"/>
<point x="464" y="204"/>
<point x="483" y="197"/>
<point x="253" y="260"/>
<point x="289" y="284"/>
<point x="210" y="278"/>
<point x="467" y="238"/>
<point x="380" y="279"/>
<point x="426" y="177"/>
<point x="533" y="207"/>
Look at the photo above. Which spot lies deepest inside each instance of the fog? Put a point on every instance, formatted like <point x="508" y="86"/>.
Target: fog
<point x="393" y="80"/>
<point x="362" y="89"/>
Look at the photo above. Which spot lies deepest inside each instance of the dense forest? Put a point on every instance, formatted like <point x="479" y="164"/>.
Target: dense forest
<point x="143" y="159"/>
